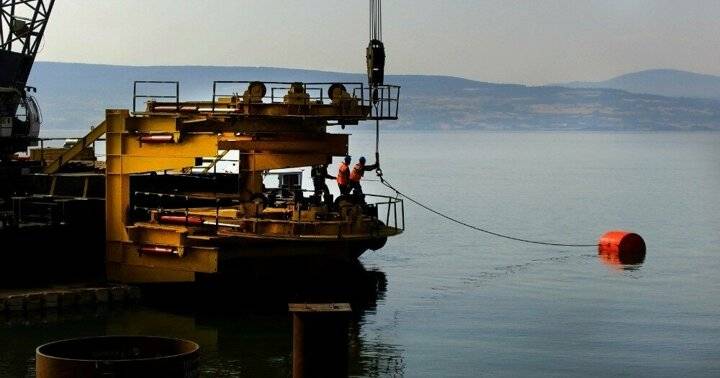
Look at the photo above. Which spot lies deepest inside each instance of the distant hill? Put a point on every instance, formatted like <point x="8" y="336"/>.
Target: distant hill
<point x="672" y="83"/>
<point x="74" y="96"/>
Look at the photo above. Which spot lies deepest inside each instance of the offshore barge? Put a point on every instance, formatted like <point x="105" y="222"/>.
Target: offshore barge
<point x="192" y="222"/>
<point x="168" y="215"/>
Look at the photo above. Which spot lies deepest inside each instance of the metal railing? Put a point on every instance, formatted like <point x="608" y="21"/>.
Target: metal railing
<point x="316" y="93"/>
<point x="43" y="145"/>
<point x="392" y="208"/>
<point x="389" y="203"/>
<point x="146" y="84"/>
<point x="383" y="101"/>
<point x="215" y="202"/>
<point x="27" y="210"/>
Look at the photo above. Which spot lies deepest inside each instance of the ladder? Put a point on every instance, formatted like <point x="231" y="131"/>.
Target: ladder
<point x="76" y="148"/>
<point x="221" y="154"/>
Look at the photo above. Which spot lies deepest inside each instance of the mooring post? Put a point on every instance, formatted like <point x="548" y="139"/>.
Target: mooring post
<point x="320" y="339"/>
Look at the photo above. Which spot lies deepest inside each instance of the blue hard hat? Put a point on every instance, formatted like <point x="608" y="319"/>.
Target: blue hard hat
<point x="362" y="159"/>
<point x="348" y="159"/>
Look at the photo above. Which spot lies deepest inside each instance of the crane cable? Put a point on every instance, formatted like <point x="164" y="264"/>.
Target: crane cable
<point x="385" y="182"/>
<point x="376" y="34"/>
<point x="376" y="20"/>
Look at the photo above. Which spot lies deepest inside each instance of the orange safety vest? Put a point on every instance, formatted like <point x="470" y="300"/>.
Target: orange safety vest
<point x="357" y="172"/>
<point x="343" y="174"/>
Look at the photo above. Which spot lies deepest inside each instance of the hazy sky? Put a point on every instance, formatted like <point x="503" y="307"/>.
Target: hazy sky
<point x="532" y="42"/>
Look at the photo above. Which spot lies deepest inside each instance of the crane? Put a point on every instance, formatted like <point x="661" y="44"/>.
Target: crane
<point x="22" y="25"/>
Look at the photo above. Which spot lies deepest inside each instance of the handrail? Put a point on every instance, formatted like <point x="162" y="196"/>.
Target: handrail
<point x="76" y="148"/>
<point x="136" y="96"/>
<point x="395" y="221"/>
<point x="391" y="199"/>
<point x="216" y="159"/>
<point x="270" y="98"/>
<point x="384" y="101"/>
<point x="381" y="100"/>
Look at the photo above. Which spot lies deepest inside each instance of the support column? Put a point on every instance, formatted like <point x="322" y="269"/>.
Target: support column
<point x="320" y="339"/>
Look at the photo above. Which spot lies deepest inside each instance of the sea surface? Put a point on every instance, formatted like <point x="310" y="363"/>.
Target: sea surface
<point x="442" y="300"/>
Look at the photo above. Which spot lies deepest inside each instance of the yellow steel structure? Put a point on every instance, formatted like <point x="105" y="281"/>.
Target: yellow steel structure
<point x="175" y="136"/>
<point x="70" y="153"/>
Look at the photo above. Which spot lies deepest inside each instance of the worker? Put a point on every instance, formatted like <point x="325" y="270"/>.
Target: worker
<point x="319" y="173"/>
<point x="343" y="176"/>
<point x="357" y="173"/>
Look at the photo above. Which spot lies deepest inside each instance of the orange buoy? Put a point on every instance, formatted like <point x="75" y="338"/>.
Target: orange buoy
<point x="622" y="244"/>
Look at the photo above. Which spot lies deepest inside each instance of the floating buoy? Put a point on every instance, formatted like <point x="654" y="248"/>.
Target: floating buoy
<point x="622" y="246"/>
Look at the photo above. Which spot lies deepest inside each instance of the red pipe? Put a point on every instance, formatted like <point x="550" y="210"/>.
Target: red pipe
<point x="190" y="220"/>
<point x="157" y="250"/>
<point x="163" y="138"/>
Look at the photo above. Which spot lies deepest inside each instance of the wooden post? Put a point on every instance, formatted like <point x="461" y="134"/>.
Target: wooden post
<point x="320" y="339"/>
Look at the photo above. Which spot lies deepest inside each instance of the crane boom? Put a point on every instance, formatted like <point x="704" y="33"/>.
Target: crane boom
<point x="22" y="26"/>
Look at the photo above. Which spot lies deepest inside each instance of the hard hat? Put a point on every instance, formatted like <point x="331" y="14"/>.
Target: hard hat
<point x="362" y="159"/>
<point x="348" y="159"/>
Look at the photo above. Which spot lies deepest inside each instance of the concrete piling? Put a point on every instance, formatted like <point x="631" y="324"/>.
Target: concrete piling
<point x="320" y="339"/>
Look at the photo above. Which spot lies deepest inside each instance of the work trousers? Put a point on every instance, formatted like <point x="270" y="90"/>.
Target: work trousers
<point x="356" y="187"/>
<point x="321" y="187"/>
<point x="344" y="189"/>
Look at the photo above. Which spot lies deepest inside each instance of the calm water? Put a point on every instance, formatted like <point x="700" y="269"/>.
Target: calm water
<point x="446" y="301"/>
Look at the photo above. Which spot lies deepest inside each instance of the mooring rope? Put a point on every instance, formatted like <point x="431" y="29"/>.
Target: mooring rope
<point x="385" y="182"/>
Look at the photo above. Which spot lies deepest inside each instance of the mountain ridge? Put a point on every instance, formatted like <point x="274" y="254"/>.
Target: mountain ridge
<point x="660" y="81"/>
<point x="75" y="95"/>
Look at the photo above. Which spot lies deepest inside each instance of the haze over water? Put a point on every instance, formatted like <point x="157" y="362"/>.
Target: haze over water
<point x="460" y="303"/>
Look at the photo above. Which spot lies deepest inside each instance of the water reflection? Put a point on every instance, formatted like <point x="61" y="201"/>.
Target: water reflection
<point x="248" y="310"/>
<point x="622" y="262"/>
<point x="239" y="319"/>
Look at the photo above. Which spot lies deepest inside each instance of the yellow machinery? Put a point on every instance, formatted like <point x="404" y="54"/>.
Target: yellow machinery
<point x="170" y="217"/>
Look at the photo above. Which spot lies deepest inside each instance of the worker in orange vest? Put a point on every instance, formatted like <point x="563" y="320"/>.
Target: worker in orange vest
<point x="357" y="173"/>
<point x="343" y="176"/>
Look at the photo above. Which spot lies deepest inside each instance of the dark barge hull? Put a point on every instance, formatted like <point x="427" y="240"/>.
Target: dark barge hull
<point x="341" y="249"/>
<point x="52" y="229"/>
<point x="40" y="255"/>
<point x="59" y="234"/>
